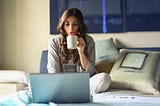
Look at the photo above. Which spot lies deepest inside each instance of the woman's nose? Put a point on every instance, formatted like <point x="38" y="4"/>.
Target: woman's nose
<point x="71" y="27"/>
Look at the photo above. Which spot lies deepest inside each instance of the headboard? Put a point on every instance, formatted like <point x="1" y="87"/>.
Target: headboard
<point x="43" y="62"/>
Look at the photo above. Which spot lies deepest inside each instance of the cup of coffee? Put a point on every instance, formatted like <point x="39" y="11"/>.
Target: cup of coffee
<point x="71" y="42"/>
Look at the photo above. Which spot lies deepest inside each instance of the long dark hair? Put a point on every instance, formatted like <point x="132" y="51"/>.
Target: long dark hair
<point x="60" y="28"/>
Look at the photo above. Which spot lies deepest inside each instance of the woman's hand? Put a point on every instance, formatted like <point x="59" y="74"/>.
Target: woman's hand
<point x="81" y="45"/>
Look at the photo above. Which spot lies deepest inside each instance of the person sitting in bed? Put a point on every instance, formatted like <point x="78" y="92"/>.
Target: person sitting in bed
<point x="81" y="59"/>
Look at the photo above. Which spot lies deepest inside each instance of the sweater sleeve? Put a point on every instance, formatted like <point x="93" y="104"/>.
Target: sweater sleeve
<point x="53" y="56"/>
<point x="90" y="56"/>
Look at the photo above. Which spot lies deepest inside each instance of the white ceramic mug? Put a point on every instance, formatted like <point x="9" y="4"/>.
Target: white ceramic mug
<point x="71" y="42"/>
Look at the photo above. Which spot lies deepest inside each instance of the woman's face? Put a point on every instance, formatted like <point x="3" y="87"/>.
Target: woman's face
<point x="71" y="25"/>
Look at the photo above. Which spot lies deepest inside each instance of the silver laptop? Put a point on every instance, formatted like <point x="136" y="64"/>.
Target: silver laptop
<point x="60" y="87"/>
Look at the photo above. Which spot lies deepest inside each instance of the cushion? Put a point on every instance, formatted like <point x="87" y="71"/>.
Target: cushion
<point x="99" y="83"/>
<point x="106" y="54"/>
<point x="137" y="70"/>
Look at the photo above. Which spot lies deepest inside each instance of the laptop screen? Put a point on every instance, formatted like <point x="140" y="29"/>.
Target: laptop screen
<point x="60" y="87"/>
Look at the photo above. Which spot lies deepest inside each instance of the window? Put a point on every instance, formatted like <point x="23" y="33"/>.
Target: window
<point x="142" y="15"/>
<point x="110" y="16"/>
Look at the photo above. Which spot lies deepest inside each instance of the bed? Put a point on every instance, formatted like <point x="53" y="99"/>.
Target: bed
<point x="131" y="85"/>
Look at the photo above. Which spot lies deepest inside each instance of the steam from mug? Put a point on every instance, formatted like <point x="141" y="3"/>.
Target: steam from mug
<point x="71" y="42"/>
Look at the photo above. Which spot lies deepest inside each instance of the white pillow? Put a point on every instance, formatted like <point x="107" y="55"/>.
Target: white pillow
<point x="105" y="51"/>
<point x="13" y="76"/>
<point x="106" y="54"/>
<point x="99" y="83"/>
<point x="137" y="70"/>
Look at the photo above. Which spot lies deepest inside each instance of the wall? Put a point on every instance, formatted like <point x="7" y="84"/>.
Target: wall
<point x="132" y="39"/>
<point x="24" y="33"/>
<point x="7" y="34"/>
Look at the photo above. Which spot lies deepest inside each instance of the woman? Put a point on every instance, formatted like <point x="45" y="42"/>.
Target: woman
<point x="82" y="59"/>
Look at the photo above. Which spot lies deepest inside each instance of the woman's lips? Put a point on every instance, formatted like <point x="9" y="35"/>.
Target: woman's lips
<point x="72" y="33"/>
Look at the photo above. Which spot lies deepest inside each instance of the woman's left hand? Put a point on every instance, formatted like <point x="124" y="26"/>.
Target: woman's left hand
<point x="81" y="45"/>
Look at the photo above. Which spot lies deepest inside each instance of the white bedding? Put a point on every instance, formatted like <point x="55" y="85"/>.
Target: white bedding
<point x="118" y="95"/>
<point x="109" y="98"/>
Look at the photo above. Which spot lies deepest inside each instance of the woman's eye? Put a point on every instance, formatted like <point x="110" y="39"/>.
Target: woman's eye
<point x="72" y="24"/>
<point x="66" y="24"/>
<point x="76" y="24"/>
